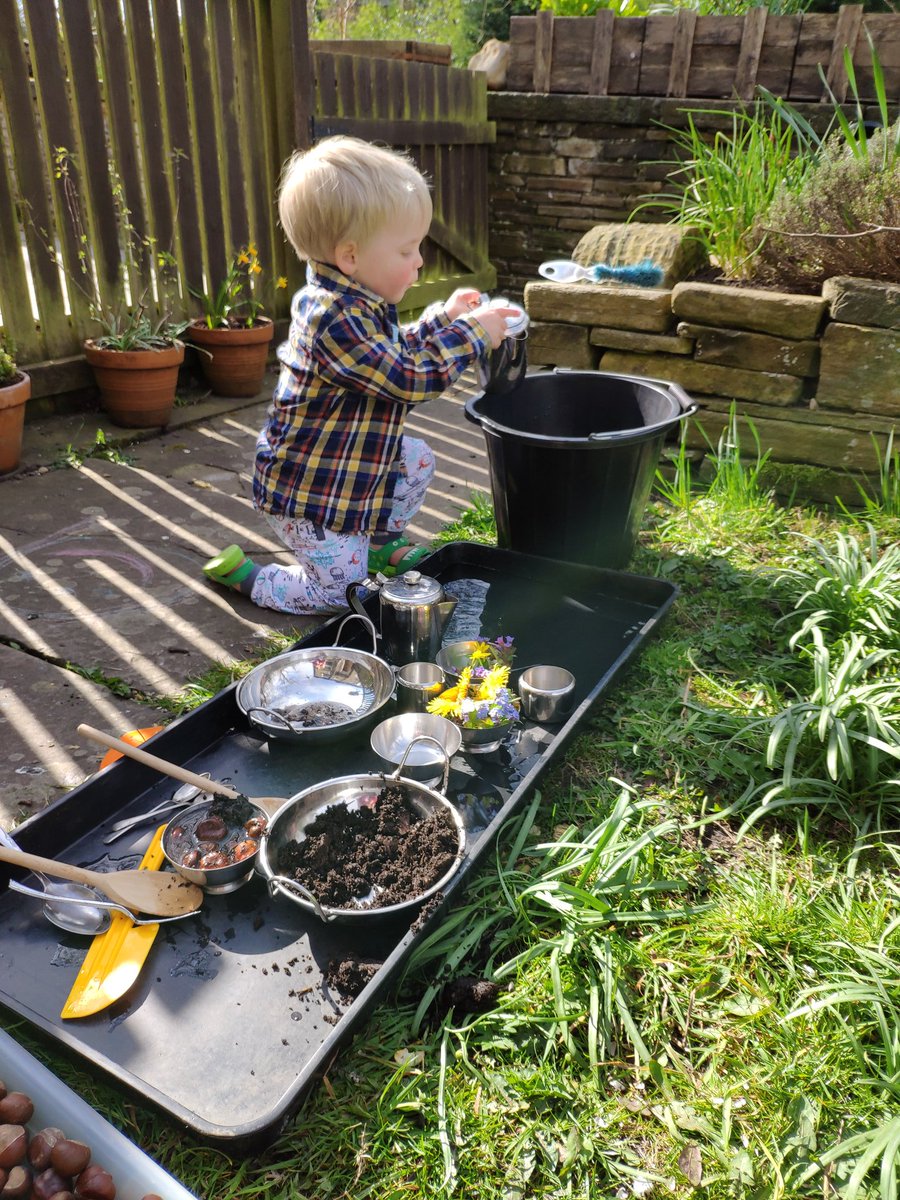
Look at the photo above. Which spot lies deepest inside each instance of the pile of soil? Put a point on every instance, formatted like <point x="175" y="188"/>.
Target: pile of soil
<point x="372" y="856"/>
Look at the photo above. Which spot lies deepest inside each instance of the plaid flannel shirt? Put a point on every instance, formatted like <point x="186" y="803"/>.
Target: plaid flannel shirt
<point x="328" y="451"/>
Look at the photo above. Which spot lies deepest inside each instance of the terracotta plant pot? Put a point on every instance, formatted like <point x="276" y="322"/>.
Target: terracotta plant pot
<point x="233" y="361"/>
<point x="137" y="387"/>
<point x="13" y="397"/>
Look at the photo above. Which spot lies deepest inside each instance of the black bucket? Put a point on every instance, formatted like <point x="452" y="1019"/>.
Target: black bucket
<point x="572" y="456"/>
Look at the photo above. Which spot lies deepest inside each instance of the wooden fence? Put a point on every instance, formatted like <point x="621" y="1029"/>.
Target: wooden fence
<point x="167" y="116"/>
<point x="685" y="55"/>
<point x="165" y="124"/>
<point x="440" y="115"/>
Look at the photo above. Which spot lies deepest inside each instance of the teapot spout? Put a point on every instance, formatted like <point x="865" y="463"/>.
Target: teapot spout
<point x="445" y="609"/>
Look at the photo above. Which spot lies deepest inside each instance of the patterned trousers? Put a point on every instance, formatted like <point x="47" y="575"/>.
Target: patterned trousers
<point x="326" y="561"/>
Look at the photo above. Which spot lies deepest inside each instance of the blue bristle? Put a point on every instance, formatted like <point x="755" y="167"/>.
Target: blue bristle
<point x="643" y="274"/>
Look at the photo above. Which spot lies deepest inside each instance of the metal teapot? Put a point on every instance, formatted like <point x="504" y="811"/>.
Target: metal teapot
<point x="414" y="614"/>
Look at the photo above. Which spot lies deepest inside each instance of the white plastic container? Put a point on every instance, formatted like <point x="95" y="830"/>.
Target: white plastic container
<point x="135" y="1174"/>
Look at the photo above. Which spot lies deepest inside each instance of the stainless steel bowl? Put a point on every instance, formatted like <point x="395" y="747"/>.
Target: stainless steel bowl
<point x="301" y="810"/>
<point x="319" y="693"/>
<point x="180" y="836"/>
<point x="453" y="658"/>
<point x="396" y="737"/>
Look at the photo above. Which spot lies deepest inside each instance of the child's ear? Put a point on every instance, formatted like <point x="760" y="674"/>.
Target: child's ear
<point x="345" y="257"/>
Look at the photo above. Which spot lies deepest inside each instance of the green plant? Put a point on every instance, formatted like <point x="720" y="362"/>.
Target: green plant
<point x="844" y="217"/>
<point x="474" y="524"/>
<point x="886" y="502"/>
<point x="128" y="323"/>
<point x="843" y="220"/>
<point x="850" y="589"/>
<point x="727" y="184"/>
<point x="8" y="368"/>
<point x="71" y="456"/>
<point x="235" y="303"/>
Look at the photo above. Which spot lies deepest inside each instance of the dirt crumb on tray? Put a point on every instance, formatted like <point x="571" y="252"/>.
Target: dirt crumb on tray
<point x="350" y="974"/>
<point x="374" y="856"/>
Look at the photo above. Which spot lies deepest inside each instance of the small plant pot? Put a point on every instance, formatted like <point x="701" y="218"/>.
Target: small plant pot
<point x="137" y="387"/>
<point x="13" y="398"/>
<point x="233" y="361"/>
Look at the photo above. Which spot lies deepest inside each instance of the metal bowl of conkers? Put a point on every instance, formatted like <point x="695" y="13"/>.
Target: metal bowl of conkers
<point x="215" y="843"/>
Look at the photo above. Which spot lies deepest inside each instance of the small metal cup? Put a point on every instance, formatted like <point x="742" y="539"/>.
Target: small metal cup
<point x="417" y="685"/>
<point x="546" y="694"/>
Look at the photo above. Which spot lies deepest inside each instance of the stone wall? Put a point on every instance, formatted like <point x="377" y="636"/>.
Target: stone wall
<point x="817" y="375"/>
<point x="563" y="163"/>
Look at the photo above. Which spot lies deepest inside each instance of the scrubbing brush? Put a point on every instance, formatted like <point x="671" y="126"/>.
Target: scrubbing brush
<point x="643" y="274"/>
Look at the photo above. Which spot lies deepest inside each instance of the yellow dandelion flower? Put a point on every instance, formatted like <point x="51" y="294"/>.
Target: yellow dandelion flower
<point x="481" y="653"/>
<point x="282" y="281"/>
<point x="252" y="251"/>
<point x="256" y="268"/>
<point x="446" y="704"/>
<point x="243" y="258"/>
<point x="496" y="678"/>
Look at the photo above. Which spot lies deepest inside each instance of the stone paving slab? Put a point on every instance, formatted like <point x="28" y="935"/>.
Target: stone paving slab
<point x="101" y="566"/>
<point x="41" y="756"/>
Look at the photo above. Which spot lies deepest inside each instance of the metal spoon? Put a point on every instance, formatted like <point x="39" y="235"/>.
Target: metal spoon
<point x="102" y="904"/>
<point x="184" y="796"/>
<point x="88" y="918"/>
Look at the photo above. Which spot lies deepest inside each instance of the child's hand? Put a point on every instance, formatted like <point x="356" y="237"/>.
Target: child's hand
<point x="494" y="321"/>
<point x="462" y="301"/>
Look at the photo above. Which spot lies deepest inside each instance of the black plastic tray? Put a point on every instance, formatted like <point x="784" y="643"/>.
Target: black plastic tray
<point x="232" y="1021"/>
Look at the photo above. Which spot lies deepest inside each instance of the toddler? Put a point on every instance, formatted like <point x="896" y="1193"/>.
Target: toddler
<point x="335" y="476"/>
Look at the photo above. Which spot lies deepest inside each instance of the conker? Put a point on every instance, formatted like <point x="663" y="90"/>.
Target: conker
<point x="18" y="1183"/>
<point x="70" y="1157"/>
<point x="255" y="827"/>
<point x="13" y="1144"/>
<point x="16" y="1108"/>
<point x="64" y="1195"/>
<point x="213" y="860"/>
<point x="95" y="1183"/>
<point x="191" y="858"/>
<point x="40" y="1146"/>
<point x="47" y="1184"/>
<point x="211" y="829"/>
<point x="244" y="849"/>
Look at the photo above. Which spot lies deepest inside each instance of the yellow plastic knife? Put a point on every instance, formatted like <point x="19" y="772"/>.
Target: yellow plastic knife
<point x="114" y="958"/>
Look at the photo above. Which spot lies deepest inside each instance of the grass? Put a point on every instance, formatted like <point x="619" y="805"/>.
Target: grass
<point x="692" y="935"/>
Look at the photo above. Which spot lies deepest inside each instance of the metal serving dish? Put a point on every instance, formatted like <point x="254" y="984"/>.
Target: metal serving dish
<point x="319" y="693"/>
<point x="290" y="822"/>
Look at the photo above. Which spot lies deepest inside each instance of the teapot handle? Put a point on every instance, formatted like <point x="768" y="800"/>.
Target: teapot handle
<point x="372" y="583"/>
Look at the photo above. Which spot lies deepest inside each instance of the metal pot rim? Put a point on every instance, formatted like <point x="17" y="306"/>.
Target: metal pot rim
<point x="279" y="885"/>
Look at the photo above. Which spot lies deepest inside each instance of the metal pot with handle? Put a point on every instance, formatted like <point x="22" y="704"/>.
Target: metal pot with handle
<point x="414" y="611"/>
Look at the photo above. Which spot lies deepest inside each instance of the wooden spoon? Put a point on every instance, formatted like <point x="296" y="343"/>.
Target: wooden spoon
<point x="269" y="804"/>
<point x="160" y="893"/>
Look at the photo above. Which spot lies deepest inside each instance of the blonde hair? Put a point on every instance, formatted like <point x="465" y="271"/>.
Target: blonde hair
<point x="344" y="189"/>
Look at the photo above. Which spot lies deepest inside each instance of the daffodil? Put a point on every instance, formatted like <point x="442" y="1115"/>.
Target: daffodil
<point x="236" y="302"/>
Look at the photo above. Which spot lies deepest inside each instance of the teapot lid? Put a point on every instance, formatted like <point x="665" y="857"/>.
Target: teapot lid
<point x="411" y="588"/>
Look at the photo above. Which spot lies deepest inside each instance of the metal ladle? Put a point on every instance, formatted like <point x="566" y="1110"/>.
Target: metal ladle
<point x="79" y="908"/>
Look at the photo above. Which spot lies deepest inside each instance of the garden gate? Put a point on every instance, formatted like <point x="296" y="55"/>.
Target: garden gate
<point x="440" y="114"/>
